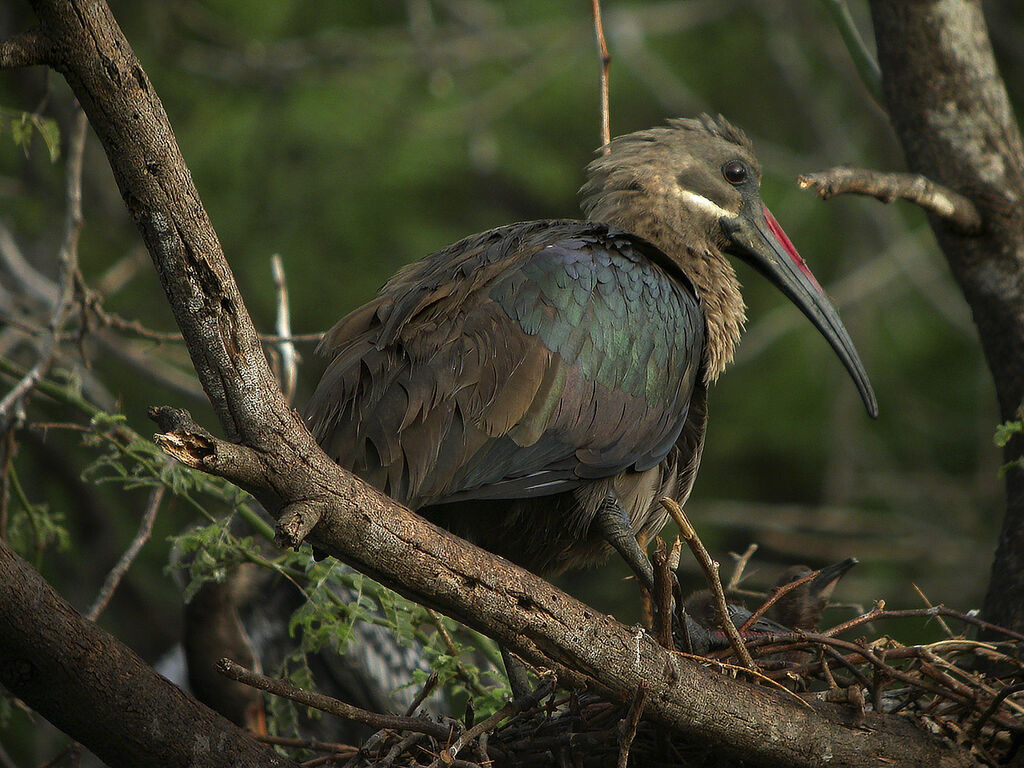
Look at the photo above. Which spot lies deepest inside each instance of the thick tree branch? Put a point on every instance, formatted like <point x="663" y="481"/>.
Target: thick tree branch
<point x="99" y="692"/>
<point x="26" y="50"/>
<point x="956" y="209"/>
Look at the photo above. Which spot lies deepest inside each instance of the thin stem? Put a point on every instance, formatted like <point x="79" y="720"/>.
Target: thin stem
<point x="118" y="571"/>
<point x="606" y="60"/>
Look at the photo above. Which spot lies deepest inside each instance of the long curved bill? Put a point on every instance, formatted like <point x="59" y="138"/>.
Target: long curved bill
<point x="760" y="241"/>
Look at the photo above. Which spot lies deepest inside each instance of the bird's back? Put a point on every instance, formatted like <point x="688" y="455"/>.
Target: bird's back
<point x="504" y="381"/>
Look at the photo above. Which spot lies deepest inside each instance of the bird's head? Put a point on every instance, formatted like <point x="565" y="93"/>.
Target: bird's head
<point x="693" y="188"/>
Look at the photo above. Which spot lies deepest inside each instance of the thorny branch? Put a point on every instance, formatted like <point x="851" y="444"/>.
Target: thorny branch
<point x="934" y="198"/>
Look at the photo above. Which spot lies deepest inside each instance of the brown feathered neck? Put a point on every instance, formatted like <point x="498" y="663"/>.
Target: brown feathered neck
<point x="640" y="185"/>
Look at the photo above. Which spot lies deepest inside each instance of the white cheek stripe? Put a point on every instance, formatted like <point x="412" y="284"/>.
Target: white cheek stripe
<point x="702" y="202"/>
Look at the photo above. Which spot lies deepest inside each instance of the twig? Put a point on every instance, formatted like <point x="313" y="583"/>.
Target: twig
<point x="863" y="60"/>
<point x="511" y="709"/>
<point x="992" y="708"/>
<point x="310" y="744"/>
<point x="67" y="258"/>
<point x="118" y="571"/>
<point x="710" y="568"/>
<point x="115" y="321"/>
<point x="942" y="623"/>
<point x="402" y="746"/>
<point x="283" y="326"/>
<point x="289" y="690"/>
<point x="606" y="60"/>
<point x="662" y="596"/>
<point x="956" y="209"/>
<point x="741" y="565"/>
<point x="426" y="690"/>
<point x="629" y="726"/>
<point x="777" y="594"/>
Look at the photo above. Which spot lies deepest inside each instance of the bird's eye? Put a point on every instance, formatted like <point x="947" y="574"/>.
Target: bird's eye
<point x="735" y="172"/>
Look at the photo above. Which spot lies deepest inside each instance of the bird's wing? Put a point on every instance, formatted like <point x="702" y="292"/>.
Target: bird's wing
<point x="519" y="362"/>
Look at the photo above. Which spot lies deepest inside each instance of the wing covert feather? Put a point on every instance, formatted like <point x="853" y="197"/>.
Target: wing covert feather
<point x="522" y="361"/>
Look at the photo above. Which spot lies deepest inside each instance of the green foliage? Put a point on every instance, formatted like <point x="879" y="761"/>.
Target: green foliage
<point x="130" y="461"/>
<point x="34" y="528"/>
<point x="1006" y="431"/>
<point x="24" y="126"/>
<point x="1004" y="434"/>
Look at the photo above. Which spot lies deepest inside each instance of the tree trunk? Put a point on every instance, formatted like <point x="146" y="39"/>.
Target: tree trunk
<point x="952" y="115"/>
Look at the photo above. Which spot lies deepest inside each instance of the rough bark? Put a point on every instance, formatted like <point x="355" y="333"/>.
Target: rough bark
<point x="273" y="455"/>
<point x="950" y="109"/>
<point x="99" y="692"/>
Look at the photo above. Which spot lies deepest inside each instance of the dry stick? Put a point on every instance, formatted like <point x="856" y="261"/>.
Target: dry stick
<point x="741" y="565"/>
<point x="322" y="760"/>
<point x="134" y="327"/>
<point x="289" y="369"/>
<point x="941" y="201"/>
<point x="426" y="690"/>
<point x="310" y="744"/>
<point x="992" y="708"/>
<point x="710" y="568"/>
<point x="67" y="258"/>
<point x="118" y="571"/>
<point x="942" y="623"/>
<point x="897" y="674"/>
<point x="409" y="741"/>
<point x="289" y="690"/>
<point x="606" y="60"/>
<point x="629" y="726"/>
<point x="513" y="708"/>
<point x="662" y="597"/>
<point x="777" y="594"/>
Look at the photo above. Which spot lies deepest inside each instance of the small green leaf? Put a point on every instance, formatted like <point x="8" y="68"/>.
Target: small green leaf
<point x="1005" y="432"/>
<point x="49" y="131"/>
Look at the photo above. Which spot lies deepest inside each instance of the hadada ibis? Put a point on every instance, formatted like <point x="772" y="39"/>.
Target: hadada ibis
<point x="704" y="631"/>
<point x="537" y="388"/>
<point x="802" y="607"/>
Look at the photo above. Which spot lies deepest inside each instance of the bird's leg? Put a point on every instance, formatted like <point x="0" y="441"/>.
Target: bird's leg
<point x="613" y="522"/>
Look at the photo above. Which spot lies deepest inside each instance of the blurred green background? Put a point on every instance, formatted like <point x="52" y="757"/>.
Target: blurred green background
<point x="354" y="137"/>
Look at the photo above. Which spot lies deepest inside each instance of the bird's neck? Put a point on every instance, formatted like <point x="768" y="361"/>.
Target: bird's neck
<point x="711" y="274"/>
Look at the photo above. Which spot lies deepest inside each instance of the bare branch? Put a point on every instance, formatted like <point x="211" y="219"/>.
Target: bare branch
<point x="954" y="208"/>
<point x="68" y="260"/>
<point x="289" y="371"/>
<point x="741" y="565"/>
<point x="27" y="49"/>
<point x="710" y="568"/>
<point x="289" y="690"/>
<point x="118" y="571"/>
